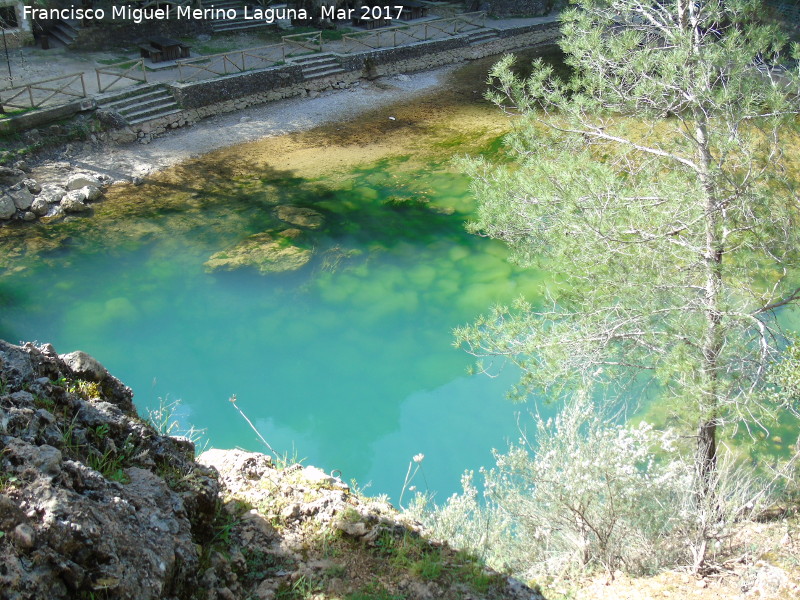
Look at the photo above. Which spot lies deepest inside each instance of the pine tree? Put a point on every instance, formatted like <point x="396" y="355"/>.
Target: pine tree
<point x="654" y="184"/>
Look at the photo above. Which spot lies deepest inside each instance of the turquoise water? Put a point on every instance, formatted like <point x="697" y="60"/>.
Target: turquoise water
<point x="349" y="360"/>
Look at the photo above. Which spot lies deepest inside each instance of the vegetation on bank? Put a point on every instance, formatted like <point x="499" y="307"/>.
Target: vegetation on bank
<point x="657" y="184"/>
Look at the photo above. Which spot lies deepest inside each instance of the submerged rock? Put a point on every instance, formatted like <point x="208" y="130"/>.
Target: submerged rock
<point x="302" y="217"/>
<point x="261" y="251"/>
<point x="291" y="234"/>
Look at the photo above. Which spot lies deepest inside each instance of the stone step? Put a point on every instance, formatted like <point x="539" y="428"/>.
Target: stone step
<point x="63" y="32"/>
<point x="126" y="93"/>
<point x="150" y="102"/>
<point x="320" y="66"/>
<point x="129" y="100"/>
<point x="142" y="104"/>
<point x="323" y="73"/>
<point x="482" y="36"/>
<point x="150" y="118"/>
<point x="61" y="35"/>
<point x="314" y="59"/>
<point x="153" y="112"/>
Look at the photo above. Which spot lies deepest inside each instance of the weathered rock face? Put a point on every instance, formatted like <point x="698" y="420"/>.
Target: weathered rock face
<point x="83" y="504"/>
<point x="261" y="251"/>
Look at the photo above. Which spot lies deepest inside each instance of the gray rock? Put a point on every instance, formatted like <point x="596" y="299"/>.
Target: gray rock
<point x="24" y="536"/>
<point x="9" y="176"/>
<point x="52" y="193"/>
<point x="92" y="192"/>
<point x="40" y="206"/>
<point x="316" y="476"/>
<point x="28" y="216"/>
<point x="73" y="202"/>
<point x="125" y="136"/>
<point x="22" y="166"/>
<point x="55" y="212"/>
<point x="7" y="207"/>
<point x="32" y="185"/>
<point x="70" y="527"/>
<point x="79" y="180"/>
<point x="111" y="118"/>
<point x="44" y="460"/>
<point x="84" y="365"/>
<point x="22" y="198"/>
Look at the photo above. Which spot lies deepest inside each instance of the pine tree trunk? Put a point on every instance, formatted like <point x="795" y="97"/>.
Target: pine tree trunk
<point x="706" y="460"/>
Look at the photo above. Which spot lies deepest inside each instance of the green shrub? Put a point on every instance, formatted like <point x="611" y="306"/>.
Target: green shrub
<point x="589" y="494"/>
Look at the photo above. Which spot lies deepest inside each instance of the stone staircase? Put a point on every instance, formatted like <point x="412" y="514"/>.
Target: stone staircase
<point x="481" y="36"/>
<point x="63" y="32"/>
<point x="239" y="23"/>
<point x="318" y="65"/>
<point x="140" y="104"/>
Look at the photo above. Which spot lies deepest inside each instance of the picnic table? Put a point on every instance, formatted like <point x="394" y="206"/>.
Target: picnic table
<point x="160" y="48"/>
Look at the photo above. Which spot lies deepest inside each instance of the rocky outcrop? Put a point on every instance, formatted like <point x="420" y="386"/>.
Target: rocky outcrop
<point x="95" y="503"/>
<point x="85" y="509"/>
<point x="299" y="527"/>
<point x="263" y="252"/>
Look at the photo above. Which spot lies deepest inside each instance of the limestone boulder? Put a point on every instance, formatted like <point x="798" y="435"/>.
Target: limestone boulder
<point x="92" y="192"/>
<point x="51" y="193"/>
<point x="300" y="216"/>
<point x="10" y="176"/>
<point x="32" y="185"/>
<point x="39" y="207"/>
<point x="74" y="202"/>
<point x="84" y="365"/>
<point x="261" y="251"/>
<point x="79" y="180"/>
<point x="21" y="197"/>
<point x="7" y="207"/>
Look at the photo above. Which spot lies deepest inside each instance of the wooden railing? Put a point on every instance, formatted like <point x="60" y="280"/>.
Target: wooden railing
<point x="392" y="37"/>
<point x="303" y="43"/>
<point x="55" y="91"/>
<point x="126" y="73"/>
<point x="215" y="65"/>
